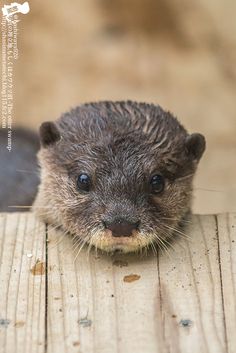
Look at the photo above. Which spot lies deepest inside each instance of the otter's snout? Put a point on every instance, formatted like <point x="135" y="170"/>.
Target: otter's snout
<point x="121" y="228"/>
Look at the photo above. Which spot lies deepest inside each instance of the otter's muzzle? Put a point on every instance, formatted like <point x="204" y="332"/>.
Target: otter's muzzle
<point x="121" y="228"/>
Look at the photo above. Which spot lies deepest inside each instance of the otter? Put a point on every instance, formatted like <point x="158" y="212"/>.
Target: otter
<point x="117" y="175"/>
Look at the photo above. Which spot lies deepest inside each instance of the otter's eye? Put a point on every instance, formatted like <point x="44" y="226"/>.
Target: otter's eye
<point x="157" y="183"/>
<point x="83" y="182"/>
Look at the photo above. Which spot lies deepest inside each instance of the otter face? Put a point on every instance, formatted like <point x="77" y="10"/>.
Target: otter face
<point x="117" y="175"/>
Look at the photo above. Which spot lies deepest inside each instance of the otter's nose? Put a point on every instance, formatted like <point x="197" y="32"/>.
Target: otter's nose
<point x="121" y="228"/>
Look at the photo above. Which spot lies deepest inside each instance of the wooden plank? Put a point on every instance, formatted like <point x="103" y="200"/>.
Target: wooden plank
<point x="174" y="306"/>
<point x="22" y="304"/>
<point x="180" y="301"/>
<point x="91" y="306"/>
<point x="63" y="298"/>
<point x="193" y="313"/>
<point x="226" y="226"/>
<point x="138" y="304"/>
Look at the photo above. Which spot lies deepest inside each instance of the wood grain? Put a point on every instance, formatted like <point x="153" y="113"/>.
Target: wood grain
<point x="191" y="292"/>
<point x="226" y="229"/>
<point x="22" y="304"/>
<point x="183" y="300"/>
<point x="108" y="314"/>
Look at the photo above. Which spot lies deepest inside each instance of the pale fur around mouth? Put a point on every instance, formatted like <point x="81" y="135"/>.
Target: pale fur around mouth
<point x="104" y="241"/>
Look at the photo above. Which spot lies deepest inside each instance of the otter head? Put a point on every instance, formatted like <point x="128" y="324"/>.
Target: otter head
<point x="118" y="175"/>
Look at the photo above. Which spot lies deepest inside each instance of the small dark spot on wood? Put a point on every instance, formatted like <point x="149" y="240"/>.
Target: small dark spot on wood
<point x="4" y="322"/>
<point x="174" y="316"/>
<point x="112" y="295"/>
<point x="85" y="322"/>
<point x="76" y="343"/>
<point x="131" y="278"/>
<point x="19" y="324"/>
<point x="57" y="298"/>
<point x="38" y="269"/>
<point x="185" y="323"/>
<point x="120" y="263"/>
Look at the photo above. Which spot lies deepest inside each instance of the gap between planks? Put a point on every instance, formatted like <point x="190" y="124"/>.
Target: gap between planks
<point x="183" y="301"/>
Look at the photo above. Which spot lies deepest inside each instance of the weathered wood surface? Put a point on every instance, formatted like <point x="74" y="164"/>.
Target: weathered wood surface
<point x="180" y="301"/>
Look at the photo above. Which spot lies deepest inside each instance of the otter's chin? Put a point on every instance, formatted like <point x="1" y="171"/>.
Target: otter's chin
<point x="104" y="241"/>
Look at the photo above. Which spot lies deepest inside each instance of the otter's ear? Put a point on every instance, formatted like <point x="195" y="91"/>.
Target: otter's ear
<point x="195" y="145"/>
<point x="49" y="134"/>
